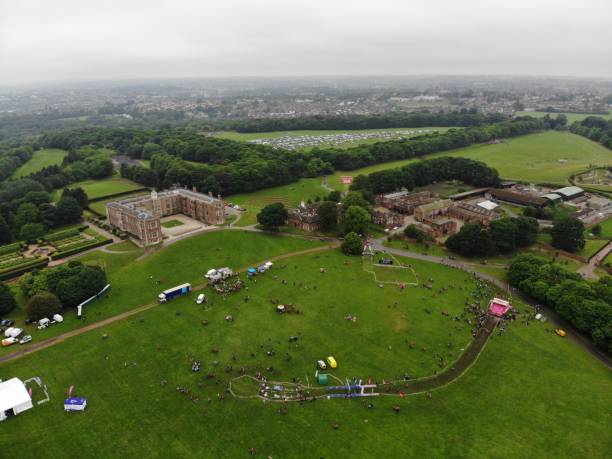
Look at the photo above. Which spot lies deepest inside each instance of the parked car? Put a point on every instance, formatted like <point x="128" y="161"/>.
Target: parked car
<point x="560" y="332"/>
<point x="321" y="364"/>
<point x="386" y="261"/>
<point x="332" y="362"/>
<point x="9" y="341"/>
<point x="25" y="339"/>
<point x="201" y="298"/>
<point x="7" y="322"/>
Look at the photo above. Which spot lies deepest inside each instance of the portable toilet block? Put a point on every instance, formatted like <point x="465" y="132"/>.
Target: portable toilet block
<point x="75" y="404"/>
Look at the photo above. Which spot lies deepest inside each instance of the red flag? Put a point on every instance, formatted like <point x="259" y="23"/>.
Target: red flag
<point x="401" y="394"/>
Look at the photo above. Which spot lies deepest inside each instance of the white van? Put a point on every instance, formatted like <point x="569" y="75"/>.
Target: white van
<point x="201" y="298"/>
<point x="58" y="318"/>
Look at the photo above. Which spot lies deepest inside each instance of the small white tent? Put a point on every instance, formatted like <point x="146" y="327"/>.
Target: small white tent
<point x="14" y="398"/>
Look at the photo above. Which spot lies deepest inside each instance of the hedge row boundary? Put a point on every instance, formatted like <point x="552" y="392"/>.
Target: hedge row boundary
<point x="67" y="253"/>
<point x="41" y="263"/>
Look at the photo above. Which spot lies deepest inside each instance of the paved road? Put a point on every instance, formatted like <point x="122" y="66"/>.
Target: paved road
<point x="588" y="270"/>
<point x="581" y="340"/>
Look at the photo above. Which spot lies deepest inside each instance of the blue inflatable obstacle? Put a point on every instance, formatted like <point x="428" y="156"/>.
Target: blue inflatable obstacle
<point x="75" y="404"/>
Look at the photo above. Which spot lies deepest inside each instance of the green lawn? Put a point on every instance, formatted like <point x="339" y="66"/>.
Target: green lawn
<point x="100" y="206"/>
<point x="41" y="159"/>
<point x="531" y="158"/>
<point x="606" y="229"/>
<point x="134" y="283"/>
<point x="171" y="223"/>
<point x="535" y="157"/>
<point x="100" y="188"/>
<point x="125" y="246"/>
<point x="571" y="117"/>
<point x="291" y="195"/>
<point x="591" y="247"/>
<point x="525" y="379"/>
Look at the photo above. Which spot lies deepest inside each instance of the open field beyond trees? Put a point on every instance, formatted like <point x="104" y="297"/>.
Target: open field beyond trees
<point x="100" y="188"/>
<point x="525" y="378"/>
<point x="41" y="159"/>
<point x="245" y="137"/>
<point x="571" y="117"/>
<point x="531" y="158"/>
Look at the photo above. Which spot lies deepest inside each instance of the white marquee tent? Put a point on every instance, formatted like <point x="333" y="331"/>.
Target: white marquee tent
<point x="14" y="398"/>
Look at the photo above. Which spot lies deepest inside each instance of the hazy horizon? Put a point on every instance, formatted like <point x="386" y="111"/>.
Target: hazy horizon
<point x="76" y="41"/>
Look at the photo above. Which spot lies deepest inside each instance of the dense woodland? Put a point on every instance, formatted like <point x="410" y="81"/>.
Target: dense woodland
<point x="586" y="305"/>
<point x="595" y="128"/>
<point x="227" y="167"/>
<point x="463" y="118"/>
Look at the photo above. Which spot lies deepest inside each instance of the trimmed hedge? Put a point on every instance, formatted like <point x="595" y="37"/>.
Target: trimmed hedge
<point x="115" y="195"/>
<point x="83" y="248"/>
<point x="35" y="263"/>
<point x="9" y="248"/>
<point x="64" y="234"/>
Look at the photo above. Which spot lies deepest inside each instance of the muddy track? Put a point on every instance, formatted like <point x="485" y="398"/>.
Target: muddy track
<point x="35" y="347"/>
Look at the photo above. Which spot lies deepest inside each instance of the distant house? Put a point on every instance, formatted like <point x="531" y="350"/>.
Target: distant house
<point x="387" y="218"/>
<point x="14" y="398"/>
<point x="570" y="192"/>
<point x="431" y="210"/>
<point x="305" y="217"/>
<point x="522" y="199"/>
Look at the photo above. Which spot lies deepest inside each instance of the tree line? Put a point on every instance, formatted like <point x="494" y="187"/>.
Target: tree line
<point x="463" y="118"/>
<point x="586" y="305"/>
<point x="426" y="172"/>
<point x="228" y="167"/>
<point x="595" y="128"/>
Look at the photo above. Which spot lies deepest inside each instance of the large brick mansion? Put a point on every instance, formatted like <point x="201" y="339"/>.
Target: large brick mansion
<point x="140" y="216"/>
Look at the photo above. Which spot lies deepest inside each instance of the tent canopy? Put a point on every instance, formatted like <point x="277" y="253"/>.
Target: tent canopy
<point x="13" y="393"/>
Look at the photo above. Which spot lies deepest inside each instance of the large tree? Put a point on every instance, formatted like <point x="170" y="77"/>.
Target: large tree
<point x="328" y="215"/>
<point x="272" y="216"/>
<point x="42" y="305"/>
<point x="7" y="301"/>
<point x="352" y="245"/>
<point x="568" y="234"/>
<point x="31" y="231"/>
<point x="471" y="240"/>
<point x="355" y="198"/>
<point x="69" y="211"/>
<point x="356" y="220"/>
<point x="5" y="232"/>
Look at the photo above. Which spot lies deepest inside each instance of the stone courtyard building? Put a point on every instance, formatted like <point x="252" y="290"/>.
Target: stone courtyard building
<point x="141" y="216"/>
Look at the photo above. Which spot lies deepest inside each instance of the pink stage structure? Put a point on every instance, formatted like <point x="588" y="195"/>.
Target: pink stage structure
<point x="499" y="307"/>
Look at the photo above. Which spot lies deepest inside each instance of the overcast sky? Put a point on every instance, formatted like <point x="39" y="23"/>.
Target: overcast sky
<point x="54" y="40"/>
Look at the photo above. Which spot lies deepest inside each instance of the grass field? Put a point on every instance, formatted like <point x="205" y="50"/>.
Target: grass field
<point x="99" y="188"/>
<point x="290" y="195"/>
<point x="171" y="223"/>
<point x="100" y="206"/>
<point x="245" y="137"/>
<point x="134" y="283"/>
<point x="606" y="228"/>
<point x="571" y="117"/>
<point x="535" y="157"/>
<point x="531" y="158"/>
<point x="526" y="378"/>
<point x="41" y="159"/>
